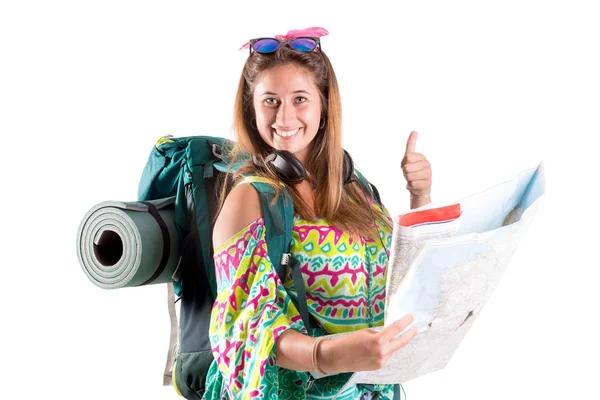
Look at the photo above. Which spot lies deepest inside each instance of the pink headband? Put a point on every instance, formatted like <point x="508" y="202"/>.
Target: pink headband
<point x="315" y="31"/>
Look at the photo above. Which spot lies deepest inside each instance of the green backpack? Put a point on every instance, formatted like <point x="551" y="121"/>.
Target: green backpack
<point x="187" y="169"/>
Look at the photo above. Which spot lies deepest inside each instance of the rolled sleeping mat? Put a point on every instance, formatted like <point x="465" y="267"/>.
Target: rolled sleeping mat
<point x="126" y="244"/>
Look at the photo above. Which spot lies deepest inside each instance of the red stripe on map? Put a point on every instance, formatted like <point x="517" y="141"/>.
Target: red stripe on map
<point x="432" y="215"/>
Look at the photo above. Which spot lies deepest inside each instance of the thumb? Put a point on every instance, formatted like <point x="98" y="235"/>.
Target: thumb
<point x="411" y="144"/>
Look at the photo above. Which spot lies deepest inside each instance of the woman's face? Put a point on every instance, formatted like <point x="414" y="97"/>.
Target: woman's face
<point x="288" y="109"/>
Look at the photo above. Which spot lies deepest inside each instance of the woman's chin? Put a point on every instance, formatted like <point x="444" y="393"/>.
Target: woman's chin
<point x="292" y="146"/>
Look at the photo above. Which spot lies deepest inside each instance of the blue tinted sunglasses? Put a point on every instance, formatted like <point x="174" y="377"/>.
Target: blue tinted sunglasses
<point x="269" y="45"/>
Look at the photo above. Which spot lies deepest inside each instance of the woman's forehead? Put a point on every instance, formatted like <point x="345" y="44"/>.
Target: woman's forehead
<point x="285" y="79"/>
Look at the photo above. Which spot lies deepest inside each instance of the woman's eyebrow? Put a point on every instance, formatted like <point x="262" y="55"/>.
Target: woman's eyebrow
<point x="275" y="94"/>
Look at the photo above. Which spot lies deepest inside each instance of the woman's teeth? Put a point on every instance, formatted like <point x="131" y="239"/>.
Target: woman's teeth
<point x="286" y="133"/>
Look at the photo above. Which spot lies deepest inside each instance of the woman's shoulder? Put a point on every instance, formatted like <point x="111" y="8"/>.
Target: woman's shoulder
<point x="240" y="209"/>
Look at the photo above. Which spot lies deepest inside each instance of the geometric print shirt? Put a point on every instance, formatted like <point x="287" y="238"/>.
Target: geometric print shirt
<point x="345" y="291"/>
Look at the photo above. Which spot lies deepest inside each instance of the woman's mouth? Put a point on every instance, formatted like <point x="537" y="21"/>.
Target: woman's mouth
<point x="286" y="134"/>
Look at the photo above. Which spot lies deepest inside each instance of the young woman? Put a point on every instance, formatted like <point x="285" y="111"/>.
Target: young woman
<point x="288" y="99"/>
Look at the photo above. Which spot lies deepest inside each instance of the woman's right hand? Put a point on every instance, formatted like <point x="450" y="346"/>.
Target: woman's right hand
<point x="365" y="350"/>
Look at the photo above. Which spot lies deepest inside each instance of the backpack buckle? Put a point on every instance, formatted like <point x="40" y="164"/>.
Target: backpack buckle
<point x="216" y="150"/>
<point x="285" y="258"/>
<point x="175" y="275"/>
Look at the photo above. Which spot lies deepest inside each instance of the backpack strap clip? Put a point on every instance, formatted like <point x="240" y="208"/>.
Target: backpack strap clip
<point x="285" y="258"/>
<point x="216" y="150"/>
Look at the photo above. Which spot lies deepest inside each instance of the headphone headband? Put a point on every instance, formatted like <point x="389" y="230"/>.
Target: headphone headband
<point x="290" y="169"/>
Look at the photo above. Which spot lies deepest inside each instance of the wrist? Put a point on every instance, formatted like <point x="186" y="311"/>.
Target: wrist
<point x="421" y="196"/>
<point x="326" y="357"/>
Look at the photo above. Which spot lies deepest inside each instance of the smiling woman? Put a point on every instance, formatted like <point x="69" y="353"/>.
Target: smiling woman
<point x="288" y="105"/>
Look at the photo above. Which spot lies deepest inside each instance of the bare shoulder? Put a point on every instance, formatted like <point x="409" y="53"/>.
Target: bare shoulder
<point x="241" y="208"/>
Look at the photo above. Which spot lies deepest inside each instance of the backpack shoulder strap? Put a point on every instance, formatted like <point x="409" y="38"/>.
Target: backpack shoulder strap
<point x="279" y="221"/>
<point x="367" y="186"/>
<point x="173" y="339"/>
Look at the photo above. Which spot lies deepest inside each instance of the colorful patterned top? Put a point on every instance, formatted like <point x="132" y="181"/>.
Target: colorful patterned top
<point x="345" y="290"/>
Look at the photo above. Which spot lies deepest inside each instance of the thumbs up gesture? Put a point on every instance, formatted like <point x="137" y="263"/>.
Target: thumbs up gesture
<point x="416" y="169"/>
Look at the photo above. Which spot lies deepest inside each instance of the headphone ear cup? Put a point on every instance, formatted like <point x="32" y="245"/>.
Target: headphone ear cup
<point x="348" y="168"/>
<point x="288" y="167"/>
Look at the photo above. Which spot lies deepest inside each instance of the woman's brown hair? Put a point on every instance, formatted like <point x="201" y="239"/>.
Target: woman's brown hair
<point x="345" y="206"/>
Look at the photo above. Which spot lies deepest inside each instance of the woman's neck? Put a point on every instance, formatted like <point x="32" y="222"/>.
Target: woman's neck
<point x="307" y="193"/>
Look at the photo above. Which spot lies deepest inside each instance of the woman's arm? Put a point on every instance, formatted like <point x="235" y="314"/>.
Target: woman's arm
<point x="252" y="308"/>
<point x="294" y="351"/>
<point x="242" y="206"/>
<point x="364" y="350"/>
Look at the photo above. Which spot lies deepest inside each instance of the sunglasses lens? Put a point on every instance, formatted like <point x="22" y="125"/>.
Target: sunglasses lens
<point x="303" y="44"/>
<point x="265" y="45"/>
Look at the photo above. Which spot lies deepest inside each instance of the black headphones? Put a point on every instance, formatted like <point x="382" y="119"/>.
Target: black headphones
<point x="290" y="169"/>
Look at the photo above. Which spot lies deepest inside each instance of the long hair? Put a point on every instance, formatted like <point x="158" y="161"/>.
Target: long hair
<point x="345" y="206"/>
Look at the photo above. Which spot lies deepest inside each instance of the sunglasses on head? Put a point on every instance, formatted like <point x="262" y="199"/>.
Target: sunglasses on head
<point x="269" y="45"/>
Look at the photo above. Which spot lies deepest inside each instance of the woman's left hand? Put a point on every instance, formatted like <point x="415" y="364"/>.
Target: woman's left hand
<point x="416" y="168"/>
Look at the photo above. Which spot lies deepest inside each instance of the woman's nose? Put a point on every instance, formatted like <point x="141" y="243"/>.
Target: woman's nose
<point x="286" y="115"/>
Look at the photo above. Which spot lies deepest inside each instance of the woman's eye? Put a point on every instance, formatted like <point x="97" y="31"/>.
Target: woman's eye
<point x="273" y="102"/>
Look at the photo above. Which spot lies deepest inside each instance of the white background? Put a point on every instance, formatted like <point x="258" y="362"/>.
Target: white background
<point x="86" y="89"/>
